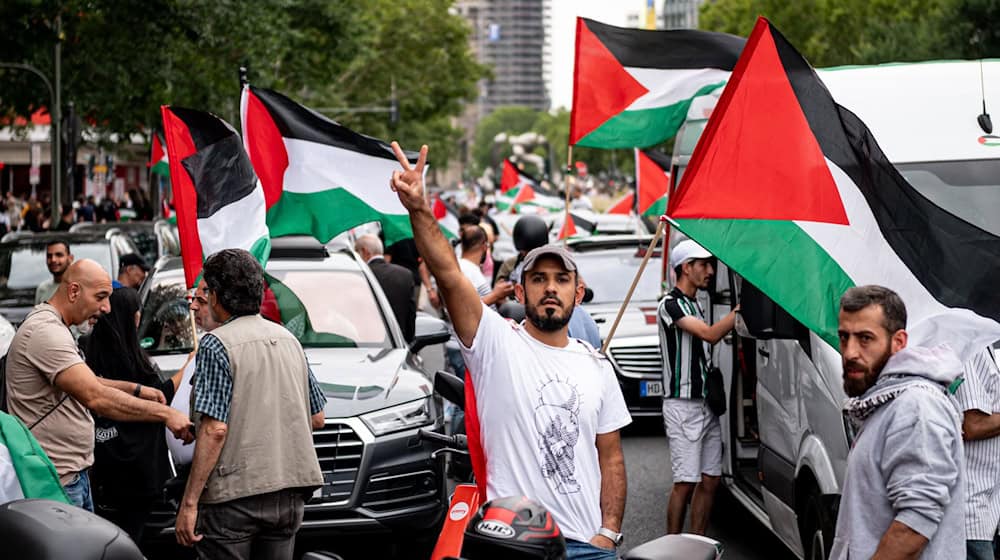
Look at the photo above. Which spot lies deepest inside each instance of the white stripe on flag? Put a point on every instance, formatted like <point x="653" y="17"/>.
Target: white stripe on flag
<point x="236" y="225"/>
<point x="930" y="323"/>
<point x="317" y="167"/>
<point x="10" y="485"/>
<point x="667" y="87"/>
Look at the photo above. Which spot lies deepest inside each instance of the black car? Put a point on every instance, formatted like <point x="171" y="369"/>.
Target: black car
<point x="379" y="477"/>
<point x="22" y="263"/>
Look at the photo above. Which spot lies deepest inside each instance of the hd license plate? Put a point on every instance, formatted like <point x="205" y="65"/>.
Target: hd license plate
<point x="650" y="388"/>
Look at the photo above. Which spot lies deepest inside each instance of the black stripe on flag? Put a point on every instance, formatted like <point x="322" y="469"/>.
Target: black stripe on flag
<point x="957" y="262"/>
<point x="674" y="49"/>
<point x="219" y="169"/>
<point x="299" y="122"/>
<point x="659" y="158"/>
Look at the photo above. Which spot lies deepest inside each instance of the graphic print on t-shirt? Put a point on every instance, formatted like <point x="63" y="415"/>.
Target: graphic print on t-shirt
<point x="558" y="424"/>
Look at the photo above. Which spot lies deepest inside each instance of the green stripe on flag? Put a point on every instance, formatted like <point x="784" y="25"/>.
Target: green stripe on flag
<point x="643" y="128"/>
<point x="772" y="255"/>
<point x="261" y="250"/>
<point x="162" y="168"/>
<point x="295" y="318"/>
<point x="657" y="208"/>
<point x="35" y="472"/>
<point x="328" y="213"/>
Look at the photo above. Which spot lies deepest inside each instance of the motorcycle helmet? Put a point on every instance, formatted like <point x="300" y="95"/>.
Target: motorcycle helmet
<point x="513" y="528"/>
<point x="530" y="232"/>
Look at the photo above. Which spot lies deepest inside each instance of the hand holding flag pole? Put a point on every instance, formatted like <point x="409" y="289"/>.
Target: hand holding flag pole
<point x="635" y="281"/>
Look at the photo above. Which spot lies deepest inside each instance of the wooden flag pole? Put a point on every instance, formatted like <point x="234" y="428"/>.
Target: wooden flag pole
<point x="635" y="281"/>
<point x="194" y="329"/>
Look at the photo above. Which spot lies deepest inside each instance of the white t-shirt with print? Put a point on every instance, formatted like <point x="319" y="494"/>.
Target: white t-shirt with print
<point x="540" y="411"/>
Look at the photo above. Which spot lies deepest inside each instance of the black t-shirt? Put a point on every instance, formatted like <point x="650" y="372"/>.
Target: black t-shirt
<point x="131" y="462"/>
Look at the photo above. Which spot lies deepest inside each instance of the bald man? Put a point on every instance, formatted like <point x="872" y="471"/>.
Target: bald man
<point x="51" y="389"/>
<point x="396" y="281"/>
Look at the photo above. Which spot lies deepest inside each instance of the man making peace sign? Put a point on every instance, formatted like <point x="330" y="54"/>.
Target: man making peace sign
<point x="549" y="406"/>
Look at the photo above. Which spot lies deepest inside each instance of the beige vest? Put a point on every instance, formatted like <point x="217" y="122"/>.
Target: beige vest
<point x="269" y="445"/>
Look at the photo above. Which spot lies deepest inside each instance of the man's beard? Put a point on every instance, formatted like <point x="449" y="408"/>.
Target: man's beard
<point x="548" y="322"/>
<point x="84" y="328"/>
<point x="854" y="387"/>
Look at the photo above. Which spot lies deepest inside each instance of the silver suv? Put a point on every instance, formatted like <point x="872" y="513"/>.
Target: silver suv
<point x="378" y="475"/>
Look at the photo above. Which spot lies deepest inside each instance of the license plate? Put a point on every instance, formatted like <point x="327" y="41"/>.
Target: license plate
<point x="650" y="388"/>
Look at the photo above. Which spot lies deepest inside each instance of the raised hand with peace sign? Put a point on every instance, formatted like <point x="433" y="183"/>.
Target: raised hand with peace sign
<point x="408" y="184"/>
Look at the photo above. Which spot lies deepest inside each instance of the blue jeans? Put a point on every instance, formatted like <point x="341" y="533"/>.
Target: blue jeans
<point x="979" y="550"/>
<point x="79" y="491"/>
<point x="576" y="550"/>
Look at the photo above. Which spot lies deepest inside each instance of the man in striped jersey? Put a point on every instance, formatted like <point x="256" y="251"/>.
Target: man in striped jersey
<point x="979" y="400"/>
<point x="693" y="431"/>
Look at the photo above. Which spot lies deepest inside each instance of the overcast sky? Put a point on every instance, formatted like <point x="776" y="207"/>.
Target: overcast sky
<point x="562" y="35"/>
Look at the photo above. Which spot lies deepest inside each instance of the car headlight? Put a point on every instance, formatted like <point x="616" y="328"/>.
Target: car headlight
<point x="401" y="417"/>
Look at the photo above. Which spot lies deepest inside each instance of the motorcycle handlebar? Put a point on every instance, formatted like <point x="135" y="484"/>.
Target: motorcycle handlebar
<point x="457" y="441"/>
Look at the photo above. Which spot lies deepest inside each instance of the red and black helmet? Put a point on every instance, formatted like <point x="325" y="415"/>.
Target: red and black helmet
<point x="513" y="529"/>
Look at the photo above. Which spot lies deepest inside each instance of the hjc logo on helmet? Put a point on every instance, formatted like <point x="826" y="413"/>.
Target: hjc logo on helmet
<point x="493" y="528"/>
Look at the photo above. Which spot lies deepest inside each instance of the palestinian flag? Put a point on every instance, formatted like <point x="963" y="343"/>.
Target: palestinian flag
<point x="512" y="178"/>
<point x="158" y="162"/>
<point x="568" y="228"/>
<point x="446" y="216"/>
<point x="632" y="87"/>
<point x="652" y="182"/>
<point x="793" y="192"/>
<point x="217" y="197"/>
<point x="25" y="469"/>
<point x="319" y="178"/>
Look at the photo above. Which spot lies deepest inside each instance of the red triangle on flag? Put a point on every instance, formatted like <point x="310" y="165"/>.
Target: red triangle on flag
<point x="651" y="181"/>
<point x="568" y="228"/>
<point x="758" y="158"/>
<point x="157" y="152"/>
<point x="524" y="194"/>
<point x="623" y="206"/>
<point x="265" y="146"/>
<point x="510" y="177"/>
<point x="601" y="86"/>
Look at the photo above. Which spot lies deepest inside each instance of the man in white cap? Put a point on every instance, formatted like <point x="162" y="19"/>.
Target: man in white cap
<point x="693" y="431"/>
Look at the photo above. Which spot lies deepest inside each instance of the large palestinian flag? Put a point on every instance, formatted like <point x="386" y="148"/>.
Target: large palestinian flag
<point x="25" y="469"/>
<point x="792" y="191"/>
<point x="319" y="178"/>
<point x="632" y="87"/>
<point x="217" y="197"/>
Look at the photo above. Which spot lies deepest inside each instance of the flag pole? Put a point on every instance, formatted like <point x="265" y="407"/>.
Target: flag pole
<point x="666" y="243"/>
<point x="194" y="329"/>
<point x="635" y="281"/>
<point x="569" y="169"/>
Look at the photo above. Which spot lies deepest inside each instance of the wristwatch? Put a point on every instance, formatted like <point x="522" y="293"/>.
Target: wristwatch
<point x="612" y="536"/>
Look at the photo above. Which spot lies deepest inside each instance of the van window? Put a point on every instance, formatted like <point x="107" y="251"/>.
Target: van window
<point x="969" y="189"/>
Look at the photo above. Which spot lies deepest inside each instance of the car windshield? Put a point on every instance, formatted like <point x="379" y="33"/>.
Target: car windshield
<point x="609" y="274"/>
<point x="22" y="268"/>
<point x="145" y="241"/>
<point x="322" y="308"/>
<point x="968" y="189"/>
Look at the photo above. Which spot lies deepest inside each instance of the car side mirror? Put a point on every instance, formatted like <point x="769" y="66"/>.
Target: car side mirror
<point x="762" y="318"/>
<point x="428" y="331"/>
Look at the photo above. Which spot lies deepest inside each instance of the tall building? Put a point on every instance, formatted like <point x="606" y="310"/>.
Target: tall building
<point x="681" y="14"/>
<point x="510" y="37"/>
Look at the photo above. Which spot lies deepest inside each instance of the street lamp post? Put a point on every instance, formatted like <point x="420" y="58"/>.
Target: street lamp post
<point x="55" y="115"/>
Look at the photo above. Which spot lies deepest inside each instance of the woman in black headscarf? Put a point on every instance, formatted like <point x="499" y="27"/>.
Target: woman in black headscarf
<point x="130" y="458"/>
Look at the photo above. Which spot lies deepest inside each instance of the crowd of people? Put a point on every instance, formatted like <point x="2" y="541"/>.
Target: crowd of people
<point x="35" y="214"/>
<point x="921" y="479"/>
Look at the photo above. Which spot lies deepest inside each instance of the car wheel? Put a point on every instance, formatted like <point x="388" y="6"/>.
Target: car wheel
<point x="817" y="527"/>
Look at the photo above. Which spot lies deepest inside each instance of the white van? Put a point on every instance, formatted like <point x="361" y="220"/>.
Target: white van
<point x="786" y="440"/>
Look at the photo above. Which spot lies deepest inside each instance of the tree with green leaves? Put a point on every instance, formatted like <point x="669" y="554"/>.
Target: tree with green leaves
<point x="121" y="60"/>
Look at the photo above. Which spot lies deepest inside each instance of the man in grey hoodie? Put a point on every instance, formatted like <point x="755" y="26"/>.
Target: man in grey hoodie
<point x="904" y="491"/>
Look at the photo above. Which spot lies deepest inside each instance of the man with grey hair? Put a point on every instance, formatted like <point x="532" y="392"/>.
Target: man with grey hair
<point x="904" y="491"/>
<point x="255" y="403"/>
<point x="396" y="281"/>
